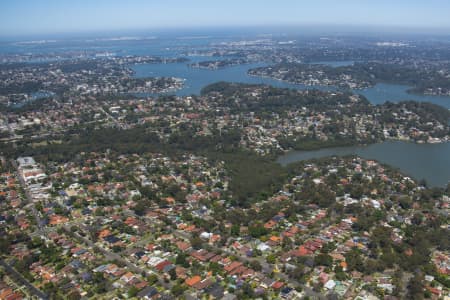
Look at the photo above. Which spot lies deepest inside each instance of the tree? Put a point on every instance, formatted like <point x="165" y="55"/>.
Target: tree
<point x="141" y="207"/>
<point x="177" y="290"/>
<point x="354" y="260"/>
<point x="98" y="277"/>
<point x="381" y="236"/>
<point x="152" y="279"/>
<point x="328" y="247"/>
<point x="5" y="243"/>
<point x="297" y="273"/>
<point x="255" y="265"/>
<point x="286" y="243"/>
<point x="257" y="231"/>
<point x="186" y="215"/>
<point x="341" y="276"/>
<point x="196" y="242"/>
<point x="271" y="258"/>
<point x="323" y="260"/>
<point x="214" y="267"/>
<point x="417" y="219"/>
<point x="248" y="290"/>
<point x="181" y="260"/>
<point x="116" y="248"/>
<point x="415" y="286"/>
<point x="173" y="274"/>
<point x="405" y="202"/>
<point x="235" y="230"/>
<point x="132" y="292"/>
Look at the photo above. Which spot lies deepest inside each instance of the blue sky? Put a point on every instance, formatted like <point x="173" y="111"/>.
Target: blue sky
<point x="19" y="17"/>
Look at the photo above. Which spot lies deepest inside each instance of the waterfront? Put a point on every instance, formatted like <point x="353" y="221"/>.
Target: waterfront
<point x="431" y="162"/>
<point x="420" y="161"/>
<point x="383" y="92"/>
<point x="196" y="79"/>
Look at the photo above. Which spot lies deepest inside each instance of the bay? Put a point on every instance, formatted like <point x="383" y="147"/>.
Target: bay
<point x="196" y="79"/>
<point x="420" y="161"/>
<point x="383" y="92"/>
<point x="428" y="161"/>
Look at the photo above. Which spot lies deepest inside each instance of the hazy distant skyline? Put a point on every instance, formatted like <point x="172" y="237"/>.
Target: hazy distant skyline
<point x="28" y="17"/>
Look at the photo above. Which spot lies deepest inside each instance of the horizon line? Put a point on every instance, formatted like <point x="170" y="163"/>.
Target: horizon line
<point x="336" y="28"/>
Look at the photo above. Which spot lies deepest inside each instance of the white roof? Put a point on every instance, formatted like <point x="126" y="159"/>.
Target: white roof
<point x="263" y="247"/>
<point x="26" y="161"/>
<point x="330" y="284"/>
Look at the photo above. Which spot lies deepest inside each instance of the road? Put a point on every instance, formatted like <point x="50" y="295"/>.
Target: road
<point x="42" y="230"/>
<point x="266" y="268"/>
<point x="114" y="256"/>
<point x="18" y="278"/>
<point x="114" y="120"/>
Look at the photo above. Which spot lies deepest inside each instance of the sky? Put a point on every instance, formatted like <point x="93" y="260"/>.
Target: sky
<point x="28" y="17"/>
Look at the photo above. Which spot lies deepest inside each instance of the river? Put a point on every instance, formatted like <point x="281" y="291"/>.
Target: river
<point x="431" y="161"/>
<point x="420" y="161"/>
<point x="196" y="79"/>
